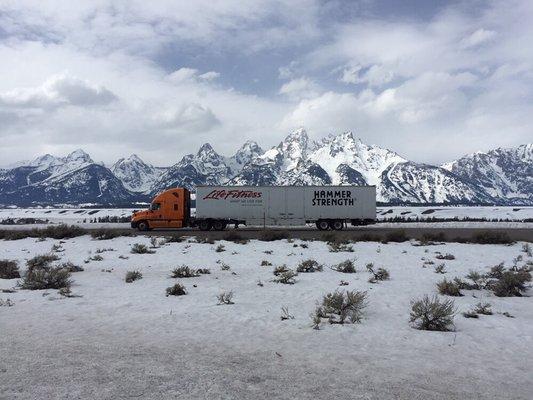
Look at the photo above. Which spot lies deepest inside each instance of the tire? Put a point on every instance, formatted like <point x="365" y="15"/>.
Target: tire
<point x="336" y="225"/>
<point x="143" y="226"/>
<point x="322" y="225"/>
<point x="219" y="225"/>
<point x="204" y="225"/>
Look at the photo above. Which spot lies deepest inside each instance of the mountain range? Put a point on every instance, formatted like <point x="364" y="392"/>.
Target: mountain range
<point x="500" y="176"/>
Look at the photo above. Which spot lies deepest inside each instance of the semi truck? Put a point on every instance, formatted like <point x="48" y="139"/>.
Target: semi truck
<point x="328" y="207"/>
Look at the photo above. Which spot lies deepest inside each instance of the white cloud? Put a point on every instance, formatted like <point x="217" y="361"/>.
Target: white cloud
<point x="477" y="38"/>
<point x="192" y="116"/>
<point x="299" y="88"/>
<point x="186" y="74"/>
<point x="374" y="75"/>
<point x="57" y="91"/>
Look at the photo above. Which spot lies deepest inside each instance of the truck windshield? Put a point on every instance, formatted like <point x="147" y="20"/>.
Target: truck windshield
<point x="155" y="206"/>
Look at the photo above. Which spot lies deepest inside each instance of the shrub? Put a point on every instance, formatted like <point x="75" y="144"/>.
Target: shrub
<point x="483" y="308"/>
<point x="9" y="269"/>
<point x="430" y="238"/>
<point x="470" y="314"/>
<point x="174" y="239"/>
<point x="100" y="251"/>
<point x="205" y="239"/>
<point x="60" y="231"/>
<point x="133" y="276"/>
<point x="347" y="267"/>
<point x="46" y="278"/>
<point x="96" y="257"/>
<point x="56" y="248"/>
<point x="177" y="290"/>
<point x="220" y="248"/>
<point x="397" y="236"/>
<point x="105" y="234"/>
<point x="153" y="242"/>
<point x="316" y="318"/>
<point x="286" y="277"/>
<point x="139" y="248"/>
<point x="203" y="271"/>
<point x="340" y="307"/>
<point x="225" y="267"/>
<point x="71" y="267"/>
<point x="510" y="283"/>
<point x="272" y="235"/>
<point x="446" y="256"/>
<point x="367" y="237"/>
<point x="448" y="288"/>
<point x="285" y="314"/>
<point x="381" y="274"/>
<point x="431" y="314"/>
<point x="476" y="278"/>
<point x="336" y="247"/>
<point x="235" y="237"/>
<point x="309" y="266"/>
<point x="6" y="303"/>
<point x="281" y="269"/>
<point x="440" y="269"/>
<point x="526" y="248"/>
<point x="462" y="284"/>
<point x="41" y="261"/>
<point x="184" y="272"/>
<point x="225" y="297"/>
<point x="266" y="263"/>
<point x="496" y="272"/>
<point x="490" y="237"/>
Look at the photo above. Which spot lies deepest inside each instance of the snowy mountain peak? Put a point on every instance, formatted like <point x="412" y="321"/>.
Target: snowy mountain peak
<point x="78" y="156"/>
<point x="135" y="174"/>
<point x="43" y="161"/>
<point x="249" y="151"/>
<point x="206" y="150"/>
<point x="135" y="158"/>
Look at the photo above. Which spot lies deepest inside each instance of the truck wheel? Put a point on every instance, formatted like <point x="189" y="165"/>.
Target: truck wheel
<point x="204" y="225"/>
<point x="336" y="225"/>
<point x="219" y="225"/>
<point x="143" y="226"/>
<point x="322" y="225"/>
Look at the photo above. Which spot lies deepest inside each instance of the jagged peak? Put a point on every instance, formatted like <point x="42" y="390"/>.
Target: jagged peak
<point x="206" y="149"/>
<point x="79" y="155"/>
<point x="299" y="135"/>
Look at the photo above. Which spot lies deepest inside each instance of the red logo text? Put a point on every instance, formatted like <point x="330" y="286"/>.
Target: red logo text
<point x="232" y="194"/>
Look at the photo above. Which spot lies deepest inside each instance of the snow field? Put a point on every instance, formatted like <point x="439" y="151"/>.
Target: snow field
<point x="140" y="341"/>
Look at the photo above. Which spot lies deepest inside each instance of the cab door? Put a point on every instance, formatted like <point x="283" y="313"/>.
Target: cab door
<point x="157" y="217"/>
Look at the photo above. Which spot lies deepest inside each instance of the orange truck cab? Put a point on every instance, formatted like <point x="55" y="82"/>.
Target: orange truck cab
<point x="169" y="209"/>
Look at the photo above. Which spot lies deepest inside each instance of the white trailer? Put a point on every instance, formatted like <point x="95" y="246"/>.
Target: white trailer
<point x="329" y="207"/>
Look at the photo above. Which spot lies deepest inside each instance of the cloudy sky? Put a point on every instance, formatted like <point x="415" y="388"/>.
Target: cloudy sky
<point x="432" y="80"/>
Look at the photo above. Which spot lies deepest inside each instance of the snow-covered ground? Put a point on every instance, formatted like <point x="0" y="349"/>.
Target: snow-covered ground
<point x="128" y="340"/>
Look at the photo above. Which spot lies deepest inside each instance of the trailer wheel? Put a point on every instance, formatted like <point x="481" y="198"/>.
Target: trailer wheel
<point x="322" y="225"/>
<point x="336" y="224"/>
<point x="204" y="225"/>
<point x="143" y="226"/>
<point x="219" y="225"/>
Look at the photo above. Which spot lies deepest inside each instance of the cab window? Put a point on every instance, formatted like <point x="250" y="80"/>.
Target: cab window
<point x="155" y="206"/>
